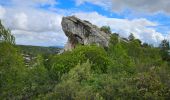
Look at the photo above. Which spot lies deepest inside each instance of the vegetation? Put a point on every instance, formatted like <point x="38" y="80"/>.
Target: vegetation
<point x="165" y="46"/>
<point x="131" y="37"/>
<point x="127" y="70"/>
<point x="35" y="50"/>
<point x="5" y="35"/>
<point x="106" y="29"/>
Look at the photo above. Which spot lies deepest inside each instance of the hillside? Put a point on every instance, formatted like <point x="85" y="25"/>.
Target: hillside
<point x="35" y="50"/>
<point x="124" y="69"/>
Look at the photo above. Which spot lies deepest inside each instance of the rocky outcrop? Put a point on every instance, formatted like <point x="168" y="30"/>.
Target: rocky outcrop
<point x="82" y="32"/>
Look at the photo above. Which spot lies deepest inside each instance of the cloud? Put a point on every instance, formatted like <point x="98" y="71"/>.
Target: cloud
<point x="168" y="36"/>
<point x="141" y="28"/>
<point x="2" y="12"/>
<point x="26" y="3"/>
<point x="34" y="26"/>
<point x="39" y="39"/>
<point x="151" y="6"/>
<point x="20" y="20"/>
<point x="38" y="27"/>
<point x="104" y="3"/>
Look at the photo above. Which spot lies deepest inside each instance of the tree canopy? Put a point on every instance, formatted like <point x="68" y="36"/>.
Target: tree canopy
<point x="106" y="29"/>
<point x="131" y="37"/>
<point x="5" y="35"/>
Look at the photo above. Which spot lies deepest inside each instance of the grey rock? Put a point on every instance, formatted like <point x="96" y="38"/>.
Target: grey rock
<point x="82" y="32"/>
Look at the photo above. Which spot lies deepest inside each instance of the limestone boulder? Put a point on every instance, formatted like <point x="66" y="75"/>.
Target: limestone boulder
<point x="82" y="32"/>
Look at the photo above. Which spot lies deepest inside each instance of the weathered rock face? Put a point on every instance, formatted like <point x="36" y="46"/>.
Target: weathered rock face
<point x="82" y="32"/>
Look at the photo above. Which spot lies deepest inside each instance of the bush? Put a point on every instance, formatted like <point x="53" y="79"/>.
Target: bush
<point x="61" y="64"/>
<point x="12" y="72"/>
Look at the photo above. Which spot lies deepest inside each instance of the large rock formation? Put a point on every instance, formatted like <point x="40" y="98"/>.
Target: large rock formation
<point x="82" y="32"/>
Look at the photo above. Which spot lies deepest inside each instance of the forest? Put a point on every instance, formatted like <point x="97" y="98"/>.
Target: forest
<point x="127" y="70"/>
<point x="35" y="50"/>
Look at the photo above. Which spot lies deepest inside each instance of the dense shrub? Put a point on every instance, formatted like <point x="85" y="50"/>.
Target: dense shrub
<point x="61" y="64"/>
<point x="11" y="71"/>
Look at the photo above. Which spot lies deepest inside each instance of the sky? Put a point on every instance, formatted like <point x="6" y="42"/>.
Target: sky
<point x="38" y="22"/>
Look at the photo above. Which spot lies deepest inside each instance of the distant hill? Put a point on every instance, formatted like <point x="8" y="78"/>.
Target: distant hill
<point x="35" y="50"/>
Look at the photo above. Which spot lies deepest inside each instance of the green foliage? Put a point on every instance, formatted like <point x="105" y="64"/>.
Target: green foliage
<point x="127" y="70"/>
<point x="11" y="71"/>
<point x="61" y="64"/>
<point x="164" y="46"/>
<point x="5" y="35"/>
<point x="150" y="84"/>
<point x="37" y="50"/>
<point x="16" y="80"/>
<point x="145" y="45"/>
<point x="11" y="67"/>
<point x="114" y="39"/>
<point x="120" y="59"/>
<point x="72" y="85"/>
<point x="131" y="37"/>
<point x="106" y="29"/>
<point x="37" y="81"/>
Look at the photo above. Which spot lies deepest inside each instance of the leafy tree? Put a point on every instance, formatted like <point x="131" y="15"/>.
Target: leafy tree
<point x="145" y="45"/>
<point x="61" y="64"/>
<point x="5" y="35"/>
<point x="114" y="39"/>
<point x="120" y="59"/>
<point x="37" y="81"/>
<point x="164" y="45"/>
<point x="150" y="86"/>
<point x="12" y="72"/>
<point x="12" y="69"/>
<point x="106" y="29"/>
<point x="72" y="84"/>
<point x="164" y="50"/>
<point x="131" y="37"/>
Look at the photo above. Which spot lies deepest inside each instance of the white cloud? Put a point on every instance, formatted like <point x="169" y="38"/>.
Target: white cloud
<point x="136" y="5"/>
<point x="20" y="21"/>
<point x="34" y="26"/>
<point x="168" y="36"/>
<point x="139" y="27"/>
<point x="39" y="39"/>
<point x="105" y="3"/>
<point x="2" y="12"/>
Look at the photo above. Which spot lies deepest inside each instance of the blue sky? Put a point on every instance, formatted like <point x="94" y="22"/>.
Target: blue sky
<point x="37" y="22"/>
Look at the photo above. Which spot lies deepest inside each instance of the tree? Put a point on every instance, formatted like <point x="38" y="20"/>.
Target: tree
<point x="37" y="80"/>
<point x="164" y="44"/>
<point x="12" y="69"/>
<point x="12" y="72"/>
<point x="120" y="59"/>
<point x="131" y="37"/>
<point x="61" y="64"/>
<point x="145" y="45"/>
<point x="114" y="39"/>
<point x="106" y="29"/>
<point x="5" y="35"/>
<point x="71" y="86"/>
<point x="164" y="49"/>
